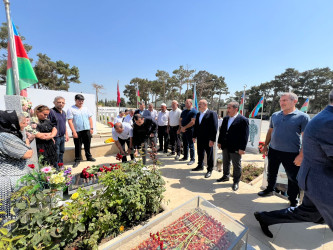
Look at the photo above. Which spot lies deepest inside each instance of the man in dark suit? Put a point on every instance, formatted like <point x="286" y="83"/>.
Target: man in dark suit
<point x="234" y="133"/>
<point x="315" y="177"/>
<point x="205" y="129"/>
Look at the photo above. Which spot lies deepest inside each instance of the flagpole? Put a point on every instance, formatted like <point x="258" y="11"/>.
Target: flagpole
<point x="12" y="48"/>
<point x="243" y="100"/>
<point x="137" y="89"/>
<point x="117" y="94"/>
<point x="262" y="108"/>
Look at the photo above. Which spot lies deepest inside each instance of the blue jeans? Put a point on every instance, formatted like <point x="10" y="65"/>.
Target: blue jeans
<point x="188" y="143"/>
<point x="60" y="145"/>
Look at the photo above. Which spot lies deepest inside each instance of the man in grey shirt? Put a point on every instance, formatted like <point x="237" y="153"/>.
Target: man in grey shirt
<point x="284" y="139"/>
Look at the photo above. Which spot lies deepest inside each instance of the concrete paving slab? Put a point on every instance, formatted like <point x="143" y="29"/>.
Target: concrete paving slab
<point x="182" y="185"/>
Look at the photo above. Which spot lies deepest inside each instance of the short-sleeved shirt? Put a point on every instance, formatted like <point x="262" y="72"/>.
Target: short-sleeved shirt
<point x="187" y="115"/>
<point x="174" y="117"/>
<point x="58" y="120"/>
<point x="287" y="130"/>
<point x="118" y="119"/>
<point x="80" y="117"/>
<point x="127" y="132"/>
<point x="162" y="118"/>
<point x="128" y="119"/>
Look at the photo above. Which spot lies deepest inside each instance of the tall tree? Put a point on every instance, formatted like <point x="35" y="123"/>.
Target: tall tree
<point x="55" y="75"/>
<point x="162" y="78"/>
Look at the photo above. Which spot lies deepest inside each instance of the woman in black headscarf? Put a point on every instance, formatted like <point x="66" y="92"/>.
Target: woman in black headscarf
<point x="14" y="153"/>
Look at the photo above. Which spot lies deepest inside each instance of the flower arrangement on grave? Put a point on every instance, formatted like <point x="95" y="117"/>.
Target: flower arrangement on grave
<point x="96" y="170"/>
<point x="261" y="148"/>
<point x="47" y="177"/>
<point x="194" y="230"/>
<point x="110" y="124"/>
<point x="109" y="140"/>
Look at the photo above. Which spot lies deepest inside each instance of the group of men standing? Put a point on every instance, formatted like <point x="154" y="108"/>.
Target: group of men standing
<point x="192" y="125"/>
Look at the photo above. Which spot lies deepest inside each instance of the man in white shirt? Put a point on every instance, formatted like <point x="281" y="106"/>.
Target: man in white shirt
<point x="119" y="118"/>
<point x="122" y="133"/>
<point x="129" y="117"/>
<point x="174" y="116"/>
<point x="153" y="112"/>
<point x="162" y="122"/>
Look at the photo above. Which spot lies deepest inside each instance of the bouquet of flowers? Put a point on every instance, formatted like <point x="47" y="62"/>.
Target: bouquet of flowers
<point x="47" y="177"/>
<point x="261" y="148"/>
<point x="90" y="172"/>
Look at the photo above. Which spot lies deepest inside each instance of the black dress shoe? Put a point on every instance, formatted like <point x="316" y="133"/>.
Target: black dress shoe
<point x="91" y="159"/>
<point x="170" y="154"/>
<point x="265" y="193"/>
<point x="190" y="162"/>
<point x="208" y="174"/>
<point x="76" y="164"/>
<point x="183" y="159"/>
<point x="197" y="169"/>
<point x="235" y="186"/>
<point x="160" y="150"/>
<point x="223" y="179"/>
<point x="263" y="225"/>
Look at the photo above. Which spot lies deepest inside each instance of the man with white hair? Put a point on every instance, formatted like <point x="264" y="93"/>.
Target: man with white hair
<point x="173" y="127"/>
<point x="153" y="112"/>
<point x="162" y="122"/>
<point x="57" y="116"/>
<point x="284" y="140"/>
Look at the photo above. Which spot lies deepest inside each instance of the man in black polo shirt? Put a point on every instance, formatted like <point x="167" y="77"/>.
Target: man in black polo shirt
<point x="143" y="128"/>
<point x="58" y="118"/>
<point x="187" y="121"/>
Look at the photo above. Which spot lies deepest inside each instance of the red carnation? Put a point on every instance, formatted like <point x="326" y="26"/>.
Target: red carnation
<point x="60" y="164"/>
<point x="41" y="150"/>
<point x="32" y="166"/>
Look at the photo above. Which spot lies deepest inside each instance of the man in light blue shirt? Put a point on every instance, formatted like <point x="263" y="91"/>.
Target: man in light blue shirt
<point x="81" y="123"/>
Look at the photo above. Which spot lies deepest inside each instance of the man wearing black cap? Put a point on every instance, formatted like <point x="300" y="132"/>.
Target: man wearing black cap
<point x="81" y="123"/>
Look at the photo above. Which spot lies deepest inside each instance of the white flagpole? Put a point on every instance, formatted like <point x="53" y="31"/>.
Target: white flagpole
<point x="243" y="100"/>
<point x="12" y="48"/>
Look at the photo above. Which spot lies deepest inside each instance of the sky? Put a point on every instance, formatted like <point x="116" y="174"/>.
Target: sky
<point x="247" y="42"/>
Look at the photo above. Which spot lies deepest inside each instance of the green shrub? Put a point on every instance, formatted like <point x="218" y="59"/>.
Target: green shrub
<point x="129" y="195"/>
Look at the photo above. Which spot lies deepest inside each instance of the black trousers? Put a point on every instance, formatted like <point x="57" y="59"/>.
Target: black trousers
<point x="306" y="212"/>
<point x="163" y="138"/>
<point x="142" y="148"/>
<point x="188" y="143"/>
<point x="202" y="147"/>
<point x="236" y="163"/>
<point x="122" y="143"/>
<point x="275" y="158"/>
<point x="174" y="139"/>
<point x="84" y="137"/>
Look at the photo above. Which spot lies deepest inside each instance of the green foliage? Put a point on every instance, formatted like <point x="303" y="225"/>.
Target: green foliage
<point x="129" y="195"/>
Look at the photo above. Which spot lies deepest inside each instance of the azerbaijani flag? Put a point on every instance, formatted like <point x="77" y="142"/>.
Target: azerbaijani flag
<point x="27" y="76"/>
<point x="241" y="105"/>
<point x="138" y="96"/>
<point x="195" y="99"/>
<point x="257" y="107"/>
<point x="118" y="95"/>
<point x="305" y="106"/>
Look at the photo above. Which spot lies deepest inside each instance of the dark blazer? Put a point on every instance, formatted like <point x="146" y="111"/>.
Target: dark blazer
<point x="236" y="137"/>
<point x="315" y="175"/>
<point x="206" y="131"/>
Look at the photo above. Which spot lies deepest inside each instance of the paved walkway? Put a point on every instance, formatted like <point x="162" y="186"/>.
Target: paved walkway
<point x="183" y="185"/>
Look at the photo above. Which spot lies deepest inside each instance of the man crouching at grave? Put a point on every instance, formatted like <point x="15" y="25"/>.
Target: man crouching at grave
<point x="122" y="133"/>
<point x="143" y="128"/>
